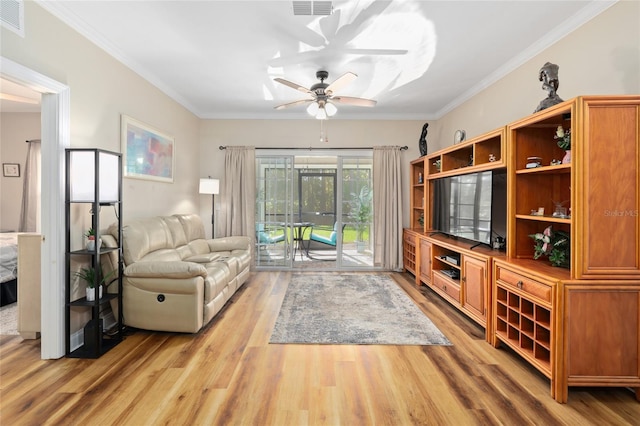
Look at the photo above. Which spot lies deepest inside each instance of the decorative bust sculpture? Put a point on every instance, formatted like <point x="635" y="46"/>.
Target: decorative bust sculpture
<point x="423" y="140"/>
<point x="550" y="82"/>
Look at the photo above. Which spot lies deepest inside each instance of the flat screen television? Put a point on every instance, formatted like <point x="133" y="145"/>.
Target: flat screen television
<point x="471" y="206"/>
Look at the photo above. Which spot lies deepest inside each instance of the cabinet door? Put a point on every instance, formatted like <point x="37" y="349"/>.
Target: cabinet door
<point x="609" y="192"/>
<point x="474" y="281"/>
<point x="425" y="261"/>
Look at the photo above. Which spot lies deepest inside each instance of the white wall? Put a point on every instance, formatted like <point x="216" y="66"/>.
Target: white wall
<point x="601" y="57"/>
<point x="101" y="90"/>
<point x="15" y="129"/>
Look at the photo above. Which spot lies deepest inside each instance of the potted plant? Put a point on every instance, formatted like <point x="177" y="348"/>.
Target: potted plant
<point x="361" y="208"/>
<point x="564" y="142"/>
<point x="553" y="244"/>
<point x="91" y="239"/>
<point x="88" y="275"/>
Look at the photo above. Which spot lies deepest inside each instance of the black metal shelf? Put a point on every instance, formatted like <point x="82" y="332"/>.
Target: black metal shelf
<point x="85" y="252"/>
<point x="95" y="343"/>
<point x="106" y="298"/>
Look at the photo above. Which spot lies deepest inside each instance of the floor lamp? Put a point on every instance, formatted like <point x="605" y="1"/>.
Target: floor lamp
<point x="211" y="186"/>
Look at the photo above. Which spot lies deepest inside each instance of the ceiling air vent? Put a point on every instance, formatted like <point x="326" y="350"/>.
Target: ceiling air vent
<point x="316" y="8"/>
<point x="12" y="15"/>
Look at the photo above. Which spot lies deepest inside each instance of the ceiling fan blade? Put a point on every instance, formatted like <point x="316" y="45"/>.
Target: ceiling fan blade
<point x="340" y="82"/>
<point x="294" y="103"/>
<point x="348" y="100"/>
<point x="292" y="85"/>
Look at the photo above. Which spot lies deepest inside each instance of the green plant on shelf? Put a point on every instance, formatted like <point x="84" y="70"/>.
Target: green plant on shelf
<point x="553" y="244"/>
<point x="89" y="276"/>
<point x="563" y="137"/>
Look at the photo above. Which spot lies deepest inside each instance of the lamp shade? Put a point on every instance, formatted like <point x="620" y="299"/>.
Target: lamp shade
<point x="330" y="108"/>
<point x="312" y="109"/>
<point x="209" y="186"/>
<point x="82" y="175"/>
<point x="322" y="114"/>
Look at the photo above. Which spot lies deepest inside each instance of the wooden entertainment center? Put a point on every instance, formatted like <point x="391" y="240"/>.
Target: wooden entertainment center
<point x="579" y="326"/>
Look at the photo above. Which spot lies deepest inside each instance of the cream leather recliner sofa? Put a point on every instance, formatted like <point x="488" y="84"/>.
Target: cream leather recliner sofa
<point x="174" y="279"/>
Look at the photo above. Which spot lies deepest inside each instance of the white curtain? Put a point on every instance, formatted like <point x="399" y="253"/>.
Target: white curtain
<point x="237" y="215"/>
<point x="387" y="207"/>
<point x="30" y="210"/>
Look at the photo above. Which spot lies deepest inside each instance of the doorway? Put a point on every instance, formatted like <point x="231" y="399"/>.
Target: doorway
<point x="314" y="211"/>
<point x="55" y="138"/>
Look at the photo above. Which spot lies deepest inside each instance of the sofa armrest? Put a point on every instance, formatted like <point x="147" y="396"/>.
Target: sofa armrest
<point x="165" y="270"/>
<point x="229" y="243"/>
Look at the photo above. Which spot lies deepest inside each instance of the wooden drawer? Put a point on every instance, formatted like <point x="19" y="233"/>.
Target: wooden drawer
<point x="410" y="238"/>
<point x="446" y="285"/>
<point x="525" y="284"/>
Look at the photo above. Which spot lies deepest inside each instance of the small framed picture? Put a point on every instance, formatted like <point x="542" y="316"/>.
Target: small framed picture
<point x="11" y="169"/>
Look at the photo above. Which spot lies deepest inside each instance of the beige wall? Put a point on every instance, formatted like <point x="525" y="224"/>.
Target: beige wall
<point x="304" y="133"/>
<point x="101" y="90"/>
<point x="601" y="57"/>
<point x="15" y="129"/>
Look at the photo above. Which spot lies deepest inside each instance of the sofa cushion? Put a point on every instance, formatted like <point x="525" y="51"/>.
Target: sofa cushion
<point x="177" y="231"/>
<point x="192" y="225"/>
<point x="167" y="255"/>
<point x="144" y="236"/>
<point x="177" y="269"/>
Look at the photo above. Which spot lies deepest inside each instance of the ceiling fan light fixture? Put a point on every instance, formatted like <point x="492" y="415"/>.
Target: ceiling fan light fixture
<point x="322" y="114"/>
<point x="313" y="108"/>
<point x="330" y="109"/>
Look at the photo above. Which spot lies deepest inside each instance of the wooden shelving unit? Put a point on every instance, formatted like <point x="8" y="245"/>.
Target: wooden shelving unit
<point x="419" y="195"/>
<point x="409" y="249"/>
<point x="484" y="152"/>
<point x="578" y="326"/>
<point x="550" y="334"/>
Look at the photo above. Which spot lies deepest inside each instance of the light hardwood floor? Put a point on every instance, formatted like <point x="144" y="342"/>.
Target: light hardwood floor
<point x="229" y="374"/>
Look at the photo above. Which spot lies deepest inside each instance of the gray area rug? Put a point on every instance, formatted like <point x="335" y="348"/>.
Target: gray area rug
<point x="352" y="309"/>
<point x="9" y="319"/>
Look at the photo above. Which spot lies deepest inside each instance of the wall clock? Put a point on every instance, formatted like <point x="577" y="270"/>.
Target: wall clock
<point x="459" y="136"/>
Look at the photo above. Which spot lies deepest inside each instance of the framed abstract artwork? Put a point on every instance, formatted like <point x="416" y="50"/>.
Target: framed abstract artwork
<point x="147" y="153"/>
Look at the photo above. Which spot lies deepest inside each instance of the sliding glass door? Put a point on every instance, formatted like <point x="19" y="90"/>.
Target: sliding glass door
<point x="314" y="211"/>
<point x="357" y="212"/>
<point x="274" y="211"/>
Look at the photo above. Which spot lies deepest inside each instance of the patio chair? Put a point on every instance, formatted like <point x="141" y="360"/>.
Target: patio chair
<point x="266" y="236"/>
<point x="330" y="240"/>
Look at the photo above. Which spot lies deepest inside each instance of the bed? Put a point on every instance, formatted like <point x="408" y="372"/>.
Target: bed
<point x="8" y="268"/>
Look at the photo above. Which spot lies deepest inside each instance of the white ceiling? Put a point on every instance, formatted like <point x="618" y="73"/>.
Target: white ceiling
<point x="418" y="59"/>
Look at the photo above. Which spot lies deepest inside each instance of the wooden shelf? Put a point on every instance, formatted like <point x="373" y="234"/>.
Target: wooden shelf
<point x="518" y="327"/>
<point x="560" y="168"/>
<point x="409" y="251"/>
<point x="549" y="219"/>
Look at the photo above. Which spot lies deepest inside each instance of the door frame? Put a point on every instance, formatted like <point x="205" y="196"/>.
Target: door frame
<point x="55" y="135"/>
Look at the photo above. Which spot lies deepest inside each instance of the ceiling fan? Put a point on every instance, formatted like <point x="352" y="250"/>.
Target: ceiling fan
<point x="321" y="103"/>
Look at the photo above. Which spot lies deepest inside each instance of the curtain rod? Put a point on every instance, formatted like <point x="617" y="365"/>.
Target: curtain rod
<point x="402" y="148"/>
